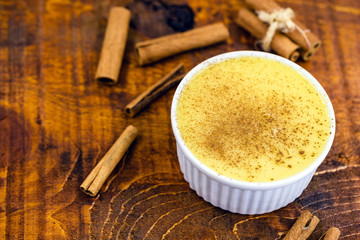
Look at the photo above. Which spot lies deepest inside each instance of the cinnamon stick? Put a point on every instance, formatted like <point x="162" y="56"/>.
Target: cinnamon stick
<point x="281" y="44"/>
<point x="160" y="87"/>
<point x="155" y="49"/>
<point x="332" y="233"/>
<point x="308" y="42"/>
<point x="113" y="48"/>
<point x="106" y="165"/>
<point x="303" y="227"/>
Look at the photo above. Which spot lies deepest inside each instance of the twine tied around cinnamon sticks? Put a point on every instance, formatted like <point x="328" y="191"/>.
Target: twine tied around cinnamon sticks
<point x="266" y="19"/>
<point x="281" y="20"/>
<point x="277" y="20"/>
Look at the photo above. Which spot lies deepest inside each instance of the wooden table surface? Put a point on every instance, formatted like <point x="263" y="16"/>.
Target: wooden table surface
<point x="56" y="122"/>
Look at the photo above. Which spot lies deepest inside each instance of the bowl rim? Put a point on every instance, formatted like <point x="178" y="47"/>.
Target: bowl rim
<point x="238" y="183"/>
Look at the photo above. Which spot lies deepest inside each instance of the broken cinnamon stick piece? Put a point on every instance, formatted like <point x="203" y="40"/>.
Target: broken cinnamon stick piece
<point x="307" y="40"/>
<point x="155" y="49"/>
<point x="164" y="84"/>
<point x="113" y="47"/>
<point x="332" y="233"/>
<point x="303" y="227"/>
<point x="281" y="44"/>
<point x="106" y="165"/>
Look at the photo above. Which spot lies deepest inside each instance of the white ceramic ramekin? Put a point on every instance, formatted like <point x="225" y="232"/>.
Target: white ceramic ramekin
<point x="239" y="196"/>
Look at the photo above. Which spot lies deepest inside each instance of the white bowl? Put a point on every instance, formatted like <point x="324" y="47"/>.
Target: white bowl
<point x="240" y="196"/>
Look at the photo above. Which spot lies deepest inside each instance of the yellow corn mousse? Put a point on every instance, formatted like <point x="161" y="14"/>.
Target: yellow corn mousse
<point x="253" y="119"/>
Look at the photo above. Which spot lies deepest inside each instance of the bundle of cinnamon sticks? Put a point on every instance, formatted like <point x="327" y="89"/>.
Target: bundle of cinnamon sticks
<point x="291" y="44"/>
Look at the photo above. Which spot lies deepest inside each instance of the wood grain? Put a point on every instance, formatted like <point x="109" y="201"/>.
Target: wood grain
<point x="56" y="122"/>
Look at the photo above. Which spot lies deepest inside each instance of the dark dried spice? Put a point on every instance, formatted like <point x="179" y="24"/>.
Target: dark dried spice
<point x="180" y="17"/>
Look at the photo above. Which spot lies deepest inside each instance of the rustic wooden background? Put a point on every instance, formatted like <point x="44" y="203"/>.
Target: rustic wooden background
<point x="56" y="122"/>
